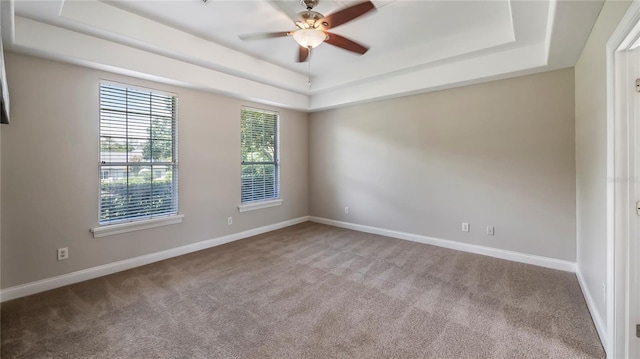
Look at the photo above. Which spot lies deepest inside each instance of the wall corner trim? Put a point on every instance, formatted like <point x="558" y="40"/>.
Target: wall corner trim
<point x="595" y="315"/>
<point x="541" y="261"/>
<point x="24" y="290"/>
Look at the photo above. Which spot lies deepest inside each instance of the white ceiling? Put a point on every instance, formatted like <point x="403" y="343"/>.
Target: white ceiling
<point x="416" y="45"/>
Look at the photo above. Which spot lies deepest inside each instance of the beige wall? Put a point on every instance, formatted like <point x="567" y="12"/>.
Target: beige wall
<point x="499" y="154"/>
<point x="50" y="176"/>
<point x="591" y="153"/>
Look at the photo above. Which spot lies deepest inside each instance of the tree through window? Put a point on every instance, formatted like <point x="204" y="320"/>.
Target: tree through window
<point x="260" y="165"/>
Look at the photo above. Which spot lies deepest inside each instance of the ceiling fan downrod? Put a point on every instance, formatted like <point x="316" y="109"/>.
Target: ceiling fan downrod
<point x="309" y="4"/>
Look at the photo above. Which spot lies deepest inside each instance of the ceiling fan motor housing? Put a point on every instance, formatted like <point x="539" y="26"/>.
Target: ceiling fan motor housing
<point x="308" y="19"/>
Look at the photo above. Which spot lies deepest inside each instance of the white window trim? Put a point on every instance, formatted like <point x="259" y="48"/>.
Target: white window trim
<point x="113" y="229"/>
<point x="252" y="206"/>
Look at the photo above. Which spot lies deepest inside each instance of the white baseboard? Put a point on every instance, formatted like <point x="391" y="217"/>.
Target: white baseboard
<point x="464" y="247"/>
<point x="595" y="314"/>
<point x="106" y="269"/>
<point x="99" y="271"/>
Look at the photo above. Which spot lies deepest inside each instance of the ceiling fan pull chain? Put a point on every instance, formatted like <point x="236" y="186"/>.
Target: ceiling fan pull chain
<point x="309" y="73"/>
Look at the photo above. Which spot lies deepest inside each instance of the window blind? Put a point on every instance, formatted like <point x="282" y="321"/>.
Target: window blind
<point x="138" y="154"/>
<point x="260" y="165"/>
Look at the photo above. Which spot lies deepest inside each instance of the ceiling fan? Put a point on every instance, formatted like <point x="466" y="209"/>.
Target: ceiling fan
<point x="312" y="27"/>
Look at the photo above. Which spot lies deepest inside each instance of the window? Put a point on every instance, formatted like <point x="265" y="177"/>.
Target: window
<point x="259" y="143"/>
<point x="138" y="162"/>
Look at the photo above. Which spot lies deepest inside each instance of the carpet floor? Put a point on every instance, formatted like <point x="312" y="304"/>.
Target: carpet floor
<point x="310" y="291"/>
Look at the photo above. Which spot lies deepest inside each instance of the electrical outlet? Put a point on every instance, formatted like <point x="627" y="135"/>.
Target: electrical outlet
<point x="465" y="227"/>
<point x="490" y="231"/>
<point x="63" y="253"/>
<point x="230" y="220"/>
<point x="346" y="210"/>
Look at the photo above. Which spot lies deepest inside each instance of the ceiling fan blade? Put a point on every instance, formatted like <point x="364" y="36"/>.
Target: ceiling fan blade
<point x="265" y="35"/>
<point x="303" y="54"/>
<point x="346" y="15"/>
<point x="282" y="6"/>
<point x="344" y="43"/>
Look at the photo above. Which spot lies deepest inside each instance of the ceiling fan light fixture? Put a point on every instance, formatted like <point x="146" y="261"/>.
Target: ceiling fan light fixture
<point x="309" y="38"/>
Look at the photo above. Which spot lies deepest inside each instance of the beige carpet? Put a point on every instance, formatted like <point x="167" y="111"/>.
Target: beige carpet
<point x="310" y="291"/>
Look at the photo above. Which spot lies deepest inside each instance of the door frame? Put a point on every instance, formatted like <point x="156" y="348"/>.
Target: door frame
<point x="622" y="120"/>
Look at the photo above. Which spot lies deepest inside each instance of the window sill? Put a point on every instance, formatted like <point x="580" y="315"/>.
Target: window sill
<point x="113" y="229"/>
<point x="259" y="205"/>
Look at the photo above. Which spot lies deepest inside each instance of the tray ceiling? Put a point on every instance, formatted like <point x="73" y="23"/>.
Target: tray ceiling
<point x="416" y="46"/>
